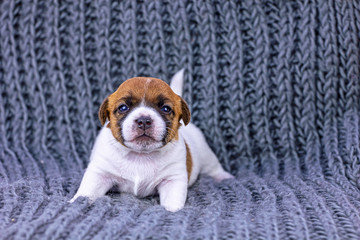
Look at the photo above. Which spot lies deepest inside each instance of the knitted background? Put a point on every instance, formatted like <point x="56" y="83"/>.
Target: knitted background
<point x="274" y="85"/>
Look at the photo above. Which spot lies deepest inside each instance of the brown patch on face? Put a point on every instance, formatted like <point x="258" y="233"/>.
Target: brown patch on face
<point x="188" y="161"/>
<point x="151" y="92"/>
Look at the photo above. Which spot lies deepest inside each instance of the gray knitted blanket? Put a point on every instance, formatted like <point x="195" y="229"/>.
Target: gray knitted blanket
<point x="274" y="85"/>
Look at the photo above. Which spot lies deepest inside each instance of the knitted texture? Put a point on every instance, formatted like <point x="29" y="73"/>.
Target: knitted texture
<point x="274" y="85"/>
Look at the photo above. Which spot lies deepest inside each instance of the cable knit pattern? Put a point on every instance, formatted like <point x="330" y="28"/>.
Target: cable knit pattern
<point x="274" y="85"/>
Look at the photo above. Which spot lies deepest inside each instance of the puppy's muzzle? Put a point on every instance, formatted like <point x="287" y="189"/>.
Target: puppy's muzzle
<point x="144" y="122"/>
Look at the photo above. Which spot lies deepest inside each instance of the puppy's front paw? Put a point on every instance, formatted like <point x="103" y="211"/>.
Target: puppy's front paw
<point x="173" y="194"/>
<point x="90" y="199"/>
<point x="173" y="207"/>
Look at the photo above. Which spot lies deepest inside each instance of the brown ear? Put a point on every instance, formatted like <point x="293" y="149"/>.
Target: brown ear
<point x="185" y="112"/>
<point x="103" y="111"/>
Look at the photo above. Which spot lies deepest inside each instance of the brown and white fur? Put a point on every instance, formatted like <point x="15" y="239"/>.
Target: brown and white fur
<point x="144" y="148"/>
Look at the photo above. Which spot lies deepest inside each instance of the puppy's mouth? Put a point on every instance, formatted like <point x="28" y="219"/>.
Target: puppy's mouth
<point x="144" y="143"/>
<point x="143" y="137"/>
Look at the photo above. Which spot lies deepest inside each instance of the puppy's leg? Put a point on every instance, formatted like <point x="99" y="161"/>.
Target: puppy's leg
<point x="93" y="185"/>
<point x="173" y="194"/>
<point x="204" y="157"/>
<point x="212" y="167"/>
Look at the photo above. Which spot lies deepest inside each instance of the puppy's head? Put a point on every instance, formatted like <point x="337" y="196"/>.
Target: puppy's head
<point x="144" y="114"/>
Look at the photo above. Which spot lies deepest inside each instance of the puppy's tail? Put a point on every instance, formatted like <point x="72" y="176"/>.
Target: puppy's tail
<point x="177" y="82"/>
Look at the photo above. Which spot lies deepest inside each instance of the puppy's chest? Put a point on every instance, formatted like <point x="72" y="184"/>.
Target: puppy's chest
<point x="139" y="178"/>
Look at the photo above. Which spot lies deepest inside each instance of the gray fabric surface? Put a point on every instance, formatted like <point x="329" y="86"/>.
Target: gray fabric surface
<point x="274" y="85"/>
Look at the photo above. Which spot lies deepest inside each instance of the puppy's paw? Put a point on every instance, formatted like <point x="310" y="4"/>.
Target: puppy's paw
<point x="89" y="199"/>
<point x="73" y="199"/>
<point x="222" y="176"/>
<point x="173" y="207"/>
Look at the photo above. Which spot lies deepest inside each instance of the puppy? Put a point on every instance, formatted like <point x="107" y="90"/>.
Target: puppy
<point x="143" y="147"/>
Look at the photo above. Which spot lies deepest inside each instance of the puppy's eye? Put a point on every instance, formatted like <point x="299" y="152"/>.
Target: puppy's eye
<point x="123" y="108"/>
<point x="166" y="109"/>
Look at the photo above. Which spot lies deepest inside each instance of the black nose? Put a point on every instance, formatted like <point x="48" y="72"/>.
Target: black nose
<point x="144" y="122"/>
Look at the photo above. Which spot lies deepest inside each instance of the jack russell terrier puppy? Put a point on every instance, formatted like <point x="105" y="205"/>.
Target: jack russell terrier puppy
<point x="143" y="147"/>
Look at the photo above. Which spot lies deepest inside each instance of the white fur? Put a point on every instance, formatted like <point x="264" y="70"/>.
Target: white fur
<point x="161" y="170"/>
